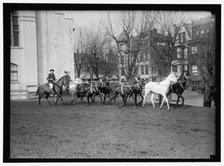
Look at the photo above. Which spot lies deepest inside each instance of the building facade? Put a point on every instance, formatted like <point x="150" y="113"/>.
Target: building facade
<point x="203" y="41"/>
<point x="180" y="62"/>
<point x="40" y="40"/>
<point x="146" y="66"/>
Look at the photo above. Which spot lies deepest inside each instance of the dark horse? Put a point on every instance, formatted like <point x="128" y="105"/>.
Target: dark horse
<point x="124" y="91"/>
<point x="86" y="89"/>
<point x="179" y="87"/>
<point x="57" y="89"/>
<point x="137" y="90"/>
<point x="104" y="89"/>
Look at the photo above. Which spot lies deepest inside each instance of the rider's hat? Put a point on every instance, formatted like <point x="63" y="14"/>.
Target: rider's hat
<point x="51" y="70"/>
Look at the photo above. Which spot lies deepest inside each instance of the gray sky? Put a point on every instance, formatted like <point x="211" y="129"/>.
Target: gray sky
<point x="90" y="18"/>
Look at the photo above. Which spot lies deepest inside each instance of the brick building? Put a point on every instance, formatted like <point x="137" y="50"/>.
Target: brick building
<point x="146" y="67"/>
<point x="40" y="40"/>
<point x="180" y="62"/>
<point x="201" y="45"/>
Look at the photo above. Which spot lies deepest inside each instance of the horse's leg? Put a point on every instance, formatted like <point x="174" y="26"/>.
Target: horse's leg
<point x="125" y="99"/>
<point x="141" y="100"/>
<point x="93" y="101"/>
<point x="152" y="95"/>
<point x="88" y="98"/>
<point x="104" y="98"/>
<point x="178" y="98"/>
<point x="39" y="97"/>
<point x="47" y="95"/>
<point x="62" y="102"/>
<point x="162" y="103"/>
<point x="73" y="97"/>
<point x="182" y="101"/>
<point x="56" y="100"/>
<point x="135" y="99"/>
<point x="113" y="97"/>
<point x="167" y="102"/>
<point x="146" y="94"/>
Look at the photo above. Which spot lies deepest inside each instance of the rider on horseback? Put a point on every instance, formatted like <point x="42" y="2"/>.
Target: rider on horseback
<point x="51" y="78"/>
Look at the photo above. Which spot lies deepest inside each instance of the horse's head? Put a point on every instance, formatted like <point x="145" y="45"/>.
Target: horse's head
<point x="65" y="80"/>
<point x="172" y="78"/>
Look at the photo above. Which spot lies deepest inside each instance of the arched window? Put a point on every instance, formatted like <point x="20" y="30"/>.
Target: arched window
<point x="13" y="72"/>
<point x="14" y="29"/>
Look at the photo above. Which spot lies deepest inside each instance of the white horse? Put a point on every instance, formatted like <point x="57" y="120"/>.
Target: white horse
<point x="159" y="88"/>
<point x="73" y="87"/>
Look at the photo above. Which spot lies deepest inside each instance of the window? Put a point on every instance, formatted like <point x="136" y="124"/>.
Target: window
<point x="13" y="72"/>
<point x="185" y="53"/>
<point x="146" y="57"/>
<point x="185" y="67"/>
<point x="146" y="69"/>
<point x="175" y="68"/>
<point x="184" y="37"/>
<point x="194" y="50"/>
<point x="14" y="39"/>
<point x="181" y="37"/>
<point x="197" y="33"/>
<point x="194" y="69"/>
<point x="153" y="69"/>
<point x="142" y="69"/>
<point x="141" y="56"/>
<point x="179" y="53"/>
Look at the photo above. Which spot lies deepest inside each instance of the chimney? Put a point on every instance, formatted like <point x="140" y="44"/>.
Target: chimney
<point x="154" y="30"/>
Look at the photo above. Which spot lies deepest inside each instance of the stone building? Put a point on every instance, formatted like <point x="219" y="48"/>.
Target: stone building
<point x="40" y="40"/>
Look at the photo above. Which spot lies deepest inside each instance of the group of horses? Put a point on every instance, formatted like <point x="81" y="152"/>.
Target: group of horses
<point x="108" y="89"/>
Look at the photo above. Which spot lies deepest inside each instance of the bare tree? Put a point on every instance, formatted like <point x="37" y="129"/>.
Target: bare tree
<point x="132" y="23"/>
<point x="96" y="47"/>
<point x="80" y="55"/>
<point x="170" y="23"/>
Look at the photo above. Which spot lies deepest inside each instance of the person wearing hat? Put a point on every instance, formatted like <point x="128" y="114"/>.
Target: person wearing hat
<point x="51" y="78"/>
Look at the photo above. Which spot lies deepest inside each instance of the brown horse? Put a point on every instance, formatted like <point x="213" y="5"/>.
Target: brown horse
<point x="44" y="89"/>
<point x="124" y="91"/>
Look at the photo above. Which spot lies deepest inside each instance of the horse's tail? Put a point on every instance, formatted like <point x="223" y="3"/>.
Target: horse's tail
<point x="37" y="92"/>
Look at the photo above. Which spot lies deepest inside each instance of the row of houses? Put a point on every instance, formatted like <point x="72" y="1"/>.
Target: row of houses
<point x="191" y="47"/>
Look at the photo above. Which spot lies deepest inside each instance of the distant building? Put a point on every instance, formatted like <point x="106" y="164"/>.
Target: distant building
<point x="146" y="66"/>
<point x="180" y="61"/>
<point x="40" y="40"/>
<point x="203" y="36"/>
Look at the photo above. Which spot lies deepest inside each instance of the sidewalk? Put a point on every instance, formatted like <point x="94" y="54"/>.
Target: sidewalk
<point x="190" y="98"/>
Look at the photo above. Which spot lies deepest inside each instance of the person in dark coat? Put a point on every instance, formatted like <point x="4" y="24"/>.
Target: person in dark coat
<point x="51" y="78"/>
